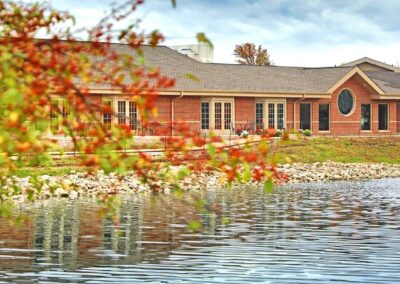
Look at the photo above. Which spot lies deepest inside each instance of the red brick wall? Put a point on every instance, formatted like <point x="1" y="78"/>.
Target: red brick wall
<point x="289" y="113"/>
<point x="244" y="110"/>
<point x="94" y="99"/>
<point x="163" y="104"/>
<point x="187" y="109"/>
<point x="398" y="116"/>
<point x="343" y="125"/>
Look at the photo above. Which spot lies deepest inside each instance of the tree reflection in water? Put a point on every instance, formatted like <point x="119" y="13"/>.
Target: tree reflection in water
<point x="333" y="219"/>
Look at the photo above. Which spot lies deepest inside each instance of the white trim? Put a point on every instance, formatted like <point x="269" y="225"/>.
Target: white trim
<point x="267" y="101"/>
<point x="212" y="102"/>
<point x="354" y="71"/>
<point x="219" y="93"/>
<point x="114" y="104"/>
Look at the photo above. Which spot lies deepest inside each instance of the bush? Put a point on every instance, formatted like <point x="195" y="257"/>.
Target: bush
<point x="278" y="133"/>
<point x="285" y="136"/>
<point x="307" y="132"/>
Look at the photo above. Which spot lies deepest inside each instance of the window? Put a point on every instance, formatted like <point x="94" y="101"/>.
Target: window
<point x="305" y="116"/>
<point x="127" y="114"/>
<point x="121" y="112"/>
<point x="280" y="115"/>
<point x="383" y="117"/>
<point x="59" y="112"/>
<point x="365" y="117"/>
<point x="205" y="115"/>
<point x="259" y="116"/>
<point x="271" y="115"/>
<point x="132" y="116"/>
<point x="218" y="116"/>
<point x="227" y="115"/>
<point x="323" y="117"/>
<point x="275" y="115"/>
<point x="107" y="115"/>
<point x="345" y="102"/>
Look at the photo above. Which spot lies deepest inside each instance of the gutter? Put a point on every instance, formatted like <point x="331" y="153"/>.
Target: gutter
<point x="294" y="109"/>
<point x="172" y="111"/>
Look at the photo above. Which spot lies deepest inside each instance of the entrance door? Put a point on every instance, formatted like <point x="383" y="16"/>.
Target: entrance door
<point x="305" y="116"/>
<point x="222" y="116"/>
<point x="276" y="115"/>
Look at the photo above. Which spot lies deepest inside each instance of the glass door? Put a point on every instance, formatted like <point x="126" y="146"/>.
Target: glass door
<point x="222" y="116"/>
<point x="276" y="115"/>
<point x="305" y="116"/>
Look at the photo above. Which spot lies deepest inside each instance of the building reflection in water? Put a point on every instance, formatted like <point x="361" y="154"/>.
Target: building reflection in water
<point x="73" y="234"/>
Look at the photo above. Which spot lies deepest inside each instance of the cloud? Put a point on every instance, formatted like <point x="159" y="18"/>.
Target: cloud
<point x="307" y="32"/>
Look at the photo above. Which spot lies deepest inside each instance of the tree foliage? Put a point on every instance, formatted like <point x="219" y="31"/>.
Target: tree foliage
<point x="248" y="54"/>
<point x="35" y="71"/>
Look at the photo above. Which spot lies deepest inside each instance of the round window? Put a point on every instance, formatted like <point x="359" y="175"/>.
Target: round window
<point x="345" y="102"/>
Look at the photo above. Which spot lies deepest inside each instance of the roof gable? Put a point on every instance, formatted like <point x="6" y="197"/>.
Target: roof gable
<point x="353" y="72"/>
<point x="369" y="64"/>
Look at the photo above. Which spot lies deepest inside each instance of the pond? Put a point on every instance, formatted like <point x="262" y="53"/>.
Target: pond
<point x="310" y="233"/>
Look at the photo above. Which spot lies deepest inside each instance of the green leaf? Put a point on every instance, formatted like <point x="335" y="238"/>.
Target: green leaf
<point x="268" y="186"/>
<point x="246" y="177"/>
<point x="211" y="150"/>
<point x="183" y="172"/>
<point x="12" y="96"/>
<point x="192" y="77"/>
<point x="194" y="225"/>
<point x="202" y="38"/>
<point x="226" y="221"/>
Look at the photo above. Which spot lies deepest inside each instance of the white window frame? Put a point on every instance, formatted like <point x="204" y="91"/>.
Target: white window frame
<point x="114" y="104"/>
<point x="60" y="104"/>
<point x="212" y="102"/>
<point x="266" y="103"/>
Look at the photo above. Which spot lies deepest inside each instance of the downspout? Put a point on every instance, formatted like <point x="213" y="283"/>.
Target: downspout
<point x="294" y="109"/>
<point x="173" y="113"/>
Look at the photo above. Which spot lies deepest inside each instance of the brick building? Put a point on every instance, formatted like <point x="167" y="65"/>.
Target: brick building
<point x="358" y="98"/>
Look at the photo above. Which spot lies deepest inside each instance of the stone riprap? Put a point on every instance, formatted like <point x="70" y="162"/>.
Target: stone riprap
<point x="81" y="184"/>
<point x="334" y="171"/>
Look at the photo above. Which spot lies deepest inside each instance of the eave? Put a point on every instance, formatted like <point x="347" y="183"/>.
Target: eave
<point x="220" y="93"/>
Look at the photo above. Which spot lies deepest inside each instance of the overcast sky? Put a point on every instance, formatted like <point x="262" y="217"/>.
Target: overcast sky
<point x="295" y="32"/>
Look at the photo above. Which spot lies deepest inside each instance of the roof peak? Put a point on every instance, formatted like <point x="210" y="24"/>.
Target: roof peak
<point x="367" y="60"/>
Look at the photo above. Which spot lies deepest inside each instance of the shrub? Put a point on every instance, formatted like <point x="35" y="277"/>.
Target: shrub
<point x="278" y="133"/>
<point x="307" y="132"/>
<point x="285" y="136"/>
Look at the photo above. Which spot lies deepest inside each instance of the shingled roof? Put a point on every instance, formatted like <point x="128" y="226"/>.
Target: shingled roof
<point x="235" y="77"/>
<point x="249" y="78"/>
<point x="388" y="81"/>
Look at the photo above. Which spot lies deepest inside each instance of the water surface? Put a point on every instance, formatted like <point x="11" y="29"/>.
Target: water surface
<point x="344" y="232"/>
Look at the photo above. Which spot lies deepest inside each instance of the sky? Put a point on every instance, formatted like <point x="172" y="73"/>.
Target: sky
<point x="295" y="32"/>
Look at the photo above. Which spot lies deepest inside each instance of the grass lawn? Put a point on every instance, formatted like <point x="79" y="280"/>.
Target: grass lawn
<point x="347" y="150"/>
<point x="301" y="150"/>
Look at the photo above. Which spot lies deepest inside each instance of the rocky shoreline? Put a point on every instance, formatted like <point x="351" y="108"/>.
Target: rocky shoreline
<point x="75" y="185"/>
<point x="334" y="171"/>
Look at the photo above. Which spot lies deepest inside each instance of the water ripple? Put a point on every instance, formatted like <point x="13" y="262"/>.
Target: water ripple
<point x="345" y="232"/>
